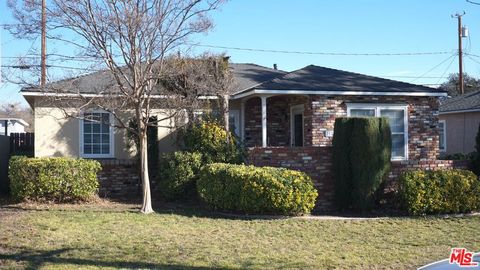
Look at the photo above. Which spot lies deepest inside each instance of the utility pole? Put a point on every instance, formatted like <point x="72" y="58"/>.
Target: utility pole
<point x="460" y="53"/>
<point x="43" y="76"/>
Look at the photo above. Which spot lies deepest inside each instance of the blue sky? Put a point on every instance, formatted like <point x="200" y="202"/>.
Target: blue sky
<point x="354" y="26"/>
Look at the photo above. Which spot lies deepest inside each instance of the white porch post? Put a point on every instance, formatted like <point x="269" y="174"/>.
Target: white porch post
<point x="264" y="121"/>
<point x="242" y="120"/>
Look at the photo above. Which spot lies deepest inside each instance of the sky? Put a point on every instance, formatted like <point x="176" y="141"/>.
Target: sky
<point x="319" y="26"/>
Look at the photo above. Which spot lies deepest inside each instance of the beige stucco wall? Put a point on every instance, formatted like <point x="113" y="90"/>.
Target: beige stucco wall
<point x="461" y="129"/>
<point x="56" y="135"/>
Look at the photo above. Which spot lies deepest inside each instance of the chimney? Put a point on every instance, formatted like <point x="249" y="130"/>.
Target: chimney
<point x="275" y="66"/>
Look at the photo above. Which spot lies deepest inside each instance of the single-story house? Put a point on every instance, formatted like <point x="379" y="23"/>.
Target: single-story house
<point x="285" y="118"/>
<point x="12" y="125"/>
<point x="459" y="123"/>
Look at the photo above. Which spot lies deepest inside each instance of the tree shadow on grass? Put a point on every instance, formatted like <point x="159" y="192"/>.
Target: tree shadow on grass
<point x="36" y="259"/>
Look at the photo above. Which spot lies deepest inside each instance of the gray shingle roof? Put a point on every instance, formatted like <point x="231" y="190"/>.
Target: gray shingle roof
<point x="246" y="75"/>
<point x="315" y="78"/>
<point x="469" y="101"/>
<point x="250" y="75"/>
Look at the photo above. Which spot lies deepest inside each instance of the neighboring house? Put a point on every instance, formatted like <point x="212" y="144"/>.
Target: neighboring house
<point x="459" y="122"/>
<point x="12" y="125"/>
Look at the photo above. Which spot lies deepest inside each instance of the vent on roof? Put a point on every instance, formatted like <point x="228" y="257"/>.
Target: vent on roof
<point x="275" y="66"/>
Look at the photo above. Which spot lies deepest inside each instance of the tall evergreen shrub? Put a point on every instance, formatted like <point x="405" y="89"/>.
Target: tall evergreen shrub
<point x="361" y="159"/>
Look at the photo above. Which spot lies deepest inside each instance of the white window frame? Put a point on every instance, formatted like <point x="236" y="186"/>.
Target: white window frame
<point x="444" y="136"/>
<point x="236" y="123"/>
<point x="112" y="136"/>
<point x="385" y="106"/>
<point x="296" y="109"/>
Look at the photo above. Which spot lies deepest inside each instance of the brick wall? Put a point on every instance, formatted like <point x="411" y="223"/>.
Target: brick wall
<point x="423" y="127"/>
<point x="119" y="179"/>
<point x="321" y="112"/>
<point x="317" y="163"/>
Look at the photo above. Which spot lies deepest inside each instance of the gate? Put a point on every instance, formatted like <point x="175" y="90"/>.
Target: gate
<point x="17" y="144"/>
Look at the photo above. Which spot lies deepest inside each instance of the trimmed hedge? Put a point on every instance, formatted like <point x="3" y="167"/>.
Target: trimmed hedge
<point x="361" y="159"/>
<point x="213" y="142"/>
<point x="178" y="172"/>
<point x="53" y="179"/>
<point x="438" y="192"/>
<point x="251" y="189"/>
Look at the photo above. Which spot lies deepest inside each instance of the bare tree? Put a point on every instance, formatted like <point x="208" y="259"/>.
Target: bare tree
<point x="134" y="40"/>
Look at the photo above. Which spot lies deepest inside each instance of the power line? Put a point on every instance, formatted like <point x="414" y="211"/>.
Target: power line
<point x="321" y="53"/>
<point x="441" y="63"/>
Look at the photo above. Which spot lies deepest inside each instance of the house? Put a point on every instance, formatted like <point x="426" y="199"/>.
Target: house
<point x="459" y="123"/>
<point x="286" y="119"/>
<point x="12" y="125"/>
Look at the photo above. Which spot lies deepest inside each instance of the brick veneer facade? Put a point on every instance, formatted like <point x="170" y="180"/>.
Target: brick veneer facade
<point x="317" y="162"/>
<point x="119" y="179"/>
<point x="320" y="114"/>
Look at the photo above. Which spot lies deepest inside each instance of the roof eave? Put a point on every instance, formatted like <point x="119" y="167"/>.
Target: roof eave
<point x="251" y="92"/>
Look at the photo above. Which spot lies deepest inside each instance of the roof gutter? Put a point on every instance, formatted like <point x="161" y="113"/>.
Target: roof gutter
<point x="40" y="94"/>
<point x="341" y="93"/>
<point x="460" y="111"/>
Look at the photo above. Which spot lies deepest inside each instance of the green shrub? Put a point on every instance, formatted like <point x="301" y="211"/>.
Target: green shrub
<point x="341" y="162"/>
<point x="53" y="179"/>
<point x="252" y="189"/>
<point x="436" y="192"/>
<point x="178" y="174"/>
<point x="213" y="142"/>
<point x="361" y="159"/>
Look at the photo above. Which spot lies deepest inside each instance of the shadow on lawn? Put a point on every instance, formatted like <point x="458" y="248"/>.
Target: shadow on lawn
<point x="35" y="259"/>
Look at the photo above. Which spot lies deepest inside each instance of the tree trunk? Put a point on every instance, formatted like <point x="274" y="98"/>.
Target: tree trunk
<point x="147" y="198"/>
<point x="226" y="115"/>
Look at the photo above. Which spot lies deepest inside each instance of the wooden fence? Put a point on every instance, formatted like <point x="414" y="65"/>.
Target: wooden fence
<point x="22" y="144"/>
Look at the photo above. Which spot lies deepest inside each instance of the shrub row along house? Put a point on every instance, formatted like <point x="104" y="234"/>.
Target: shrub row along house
<point x="286" y="120"/>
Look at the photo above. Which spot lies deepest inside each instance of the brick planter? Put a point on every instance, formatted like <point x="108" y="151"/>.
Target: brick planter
<point x="317" y="163"/>
<point x="119" y="179"/>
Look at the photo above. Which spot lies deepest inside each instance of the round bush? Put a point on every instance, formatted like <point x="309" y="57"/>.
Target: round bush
<point x="213" y="142"/>
<point x="251" y="189"/>
<point x="178" y="174"/>
<point x="438" y="192"/>
<point x="53" y="179"/>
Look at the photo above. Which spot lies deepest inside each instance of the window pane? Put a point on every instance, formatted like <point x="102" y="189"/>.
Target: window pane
<point x="87" y="148"/>
<point x="95" y="128"/>
<point x="87" y="127"/>
<point x="441" y="135"/>
<point x="105" y="138"/>
<point x="398" y="145"/>
<point x="96" y="149"/>
<point x="105" y="149"/>
<point x="87" y="138"/>
<point x="298" y="129"/>
<point x="362" y="112"/>
<point x="396" y="119"/>
<point x="96" y="138"/>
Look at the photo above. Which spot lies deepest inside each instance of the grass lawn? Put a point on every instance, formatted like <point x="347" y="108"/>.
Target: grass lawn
<point x="92" y="237"/>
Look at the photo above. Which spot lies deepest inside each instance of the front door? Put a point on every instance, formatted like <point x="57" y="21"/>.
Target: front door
<point x="296" y="125"/>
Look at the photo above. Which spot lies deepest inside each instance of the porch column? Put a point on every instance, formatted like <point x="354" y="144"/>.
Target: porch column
<point x="264" y="121"/>
<point x="242" y="120"/>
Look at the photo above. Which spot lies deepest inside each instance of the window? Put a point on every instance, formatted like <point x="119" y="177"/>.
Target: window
<point x="397" y="115"/>
<point x="296" y="125"/>
<point x="96" y="135"/>
<point x="443" y="135"/>
<point x="234" y="122"/>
